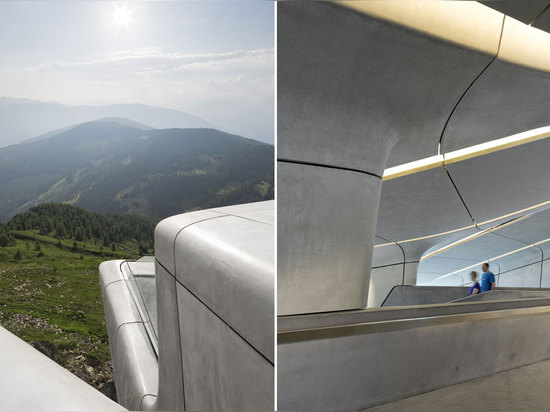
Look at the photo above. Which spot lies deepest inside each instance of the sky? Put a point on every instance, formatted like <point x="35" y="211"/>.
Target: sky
<point x="212" y="59"/>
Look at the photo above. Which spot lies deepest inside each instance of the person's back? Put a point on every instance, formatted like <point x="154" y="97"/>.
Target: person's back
<point x="488" y="281"/>
<point x="476" y="288"/>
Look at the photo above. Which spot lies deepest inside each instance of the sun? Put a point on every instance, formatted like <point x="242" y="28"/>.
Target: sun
<point x="121" y="17"/>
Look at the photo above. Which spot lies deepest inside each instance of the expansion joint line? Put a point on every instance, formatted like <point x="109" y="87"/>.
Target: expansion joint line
<point x="540" y="14"/>
<point x="469" y="87"/>
<point x="458" y="193"/>
<point x="347" y="169"/>
<point x="404" y="258"/>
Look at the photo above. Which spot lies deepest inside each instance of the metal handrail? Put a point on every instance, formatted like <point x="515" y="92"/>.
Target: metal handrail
<point x="315" y="326"/>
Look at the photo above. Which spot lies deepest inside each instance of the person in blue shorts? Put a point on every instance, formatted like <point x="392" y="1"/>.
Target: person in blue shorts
<point x="475" y="289"/>
<point x="487" y="279"/>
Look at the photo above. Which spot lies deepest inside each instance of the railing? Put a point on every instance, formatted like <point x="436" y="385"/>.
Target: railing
<point x="128" y="269"/>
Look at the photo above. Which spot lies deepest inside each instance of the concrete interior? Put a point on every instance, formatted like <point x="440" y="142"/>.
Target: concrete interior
<point x="521" y="389"/>
<point x="364" y="87"/>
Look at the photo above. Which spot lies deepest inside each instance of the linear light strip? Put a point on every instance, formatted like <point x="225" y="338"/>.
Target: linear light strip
<point x="460" y="155"/>
<point x="467" y="227"/>
<point x="491" y="259"/>
<point x="472" y="237"/>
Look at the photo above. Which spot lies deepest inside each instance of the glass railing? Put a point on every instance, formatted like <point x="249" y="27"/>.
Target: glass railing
<point x="140" y="280"/>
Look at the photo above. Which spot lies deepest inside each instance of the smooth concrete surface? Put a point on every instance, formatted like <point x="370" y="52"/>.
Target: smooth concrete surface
<point x="323" y="257"/>
<point x="545" y="274"/>
<point x="221" y="371"/>
<point x="525" y="11"/>
<point x="356" y="366"/>
<point x="488" y="195"/>
<point x="351" y="86"/>
<point x="526" y="276"/>
<point x="31" y="381"/>
<point x="171" y="395"/>
<point x="383" y="279"/>
<point x="381" y="282"/>
<point x="520" y="389"/>
<point x="215" y="305"/>
<point x="423" y="295"/>
<point x="319" y="321"/>
<point x="167" y="230"/>
<point x="360" y="91"/>
<point x="228" y="263"/>
<point x="135" y="367"/>
<point x="355" y="92"/>
<point x="506" y="294"/>
<point x="417" y="200"/>
<point x="132" y="351"/>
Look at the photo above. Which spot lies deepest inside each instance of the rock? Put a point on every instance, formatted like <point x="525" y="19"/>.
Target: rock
<point x="108" y="389"/>
<point x="47" y="348"/>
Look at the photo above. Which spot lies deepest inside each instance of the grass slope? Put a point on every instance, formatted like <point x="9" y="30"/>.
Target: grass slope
<point x="57" y="298"/>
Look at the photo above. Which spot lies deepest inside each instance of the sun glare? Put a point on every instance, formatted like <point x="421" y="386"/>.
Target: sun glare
<point x="121" y="17"/>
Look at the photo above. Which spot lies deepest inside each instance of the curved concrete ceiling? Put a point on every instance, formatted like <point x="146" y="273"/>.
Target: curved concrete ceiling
<point x="507" y="93"/>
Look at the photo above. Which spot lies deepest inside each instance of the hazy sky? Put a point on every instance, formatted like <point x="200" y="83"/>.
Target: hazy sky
<point x="213" y="59"/>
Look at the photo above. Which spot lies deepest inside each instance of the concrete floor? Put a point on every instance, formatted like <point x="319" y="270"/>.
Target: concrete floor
<point x="521" y="389"/>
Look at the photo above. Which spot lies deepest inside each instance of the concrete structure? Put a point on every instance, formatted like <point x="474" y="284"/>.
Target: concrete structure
<point x="31" y="381"/>
<point x="413" y="139"/>
<point x="193" y="329"/>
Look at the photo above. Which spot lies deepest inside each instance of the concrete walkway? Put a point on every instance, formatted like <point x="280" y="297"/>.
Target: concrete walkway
<point x="522" y="389"/>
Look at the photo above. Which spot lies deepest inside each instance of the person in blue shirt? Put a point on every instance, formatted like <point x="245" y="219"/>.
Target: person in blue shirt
<point x="475" y="289"/>
<point x="487" y="279"/>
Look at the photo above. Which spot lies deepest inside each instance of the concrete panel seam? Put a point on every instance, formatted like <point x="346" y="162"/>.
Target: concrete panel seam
<point x="219" y="317"/>
<point x="119" y="326"/>
<point x="110" y="283"/>
<point x="469" y="87"/>
<point x="459" y="194"/>
<point x="539" y="15"/>
<point x="404" y="263"/>
<point x="347" y="169"/>
<point x="394" y="264"/>
<point x="143" y="397"/>
<point x="179" y="231"/>
<point x="237" y="216"/>
<point x="179" y="332"/>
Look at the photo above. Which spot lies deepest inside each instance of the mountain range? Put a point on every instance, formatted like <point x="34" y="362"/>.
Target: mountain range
<point x="22" y="119"/>
<point x="120" y="166"/>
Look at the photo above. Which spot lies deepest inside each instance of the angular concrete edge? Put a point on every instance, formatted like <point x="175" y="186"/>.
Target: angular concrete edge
<point x="228" y="264"/>
<point x="215" y="297"/>
<point x="167" y="231"/>
<point x="31" y="381"/>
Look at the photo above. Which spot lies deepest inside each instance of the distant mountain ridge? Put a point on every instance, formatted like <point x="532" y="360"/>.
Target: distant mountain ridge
<point x="121" y="121"/>
<point x="109" y="167"/>
<point x="23" y="119"/>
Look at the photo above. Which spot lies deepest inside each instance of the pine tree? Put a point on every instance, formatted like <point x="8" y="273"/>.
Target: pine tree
<point x="60" y="231"/>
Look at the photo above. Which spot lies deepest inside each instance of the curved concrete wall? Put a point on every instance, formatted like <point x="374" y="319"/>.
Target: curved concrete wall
<point x="351" y="88"/>
<point x="371" y="85"/>
<point x="134" y="359"/>
<point x="211" y="305"/>
<point x="215" y="295"/>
